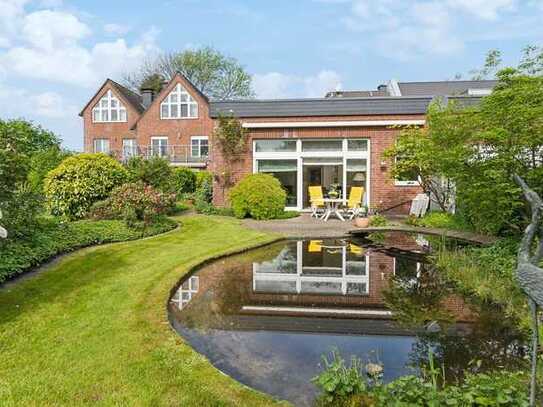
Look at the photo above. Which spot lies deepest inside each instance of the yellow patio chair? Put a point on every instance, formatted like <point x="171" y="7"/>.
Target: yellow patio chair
<point x="354" y="204"/>
<point x="355" y="249"/>
<point x="315" y="246"/>
<point x="316" y="200"/>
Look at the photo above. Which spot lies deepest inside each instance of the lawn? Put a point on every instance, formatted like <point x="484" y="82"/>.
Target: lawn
<point x="92" y="328"/>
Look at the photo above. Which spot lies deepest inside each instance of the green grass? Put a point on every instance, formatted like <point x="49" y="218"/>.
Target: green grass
<point x="50" y="237"/>
<point x="92" y="328"/>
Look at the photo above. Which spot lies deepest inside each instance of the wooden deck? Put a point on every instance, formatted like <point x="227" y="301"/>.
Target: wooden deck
<point x="454" y="234"/>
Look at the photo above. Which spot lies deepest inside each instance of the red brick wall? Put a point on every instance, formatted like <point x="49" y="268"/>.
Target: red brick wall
<point x="178" y="131"/>
<point x="383" y="192"/>
<point x="149" y="124"/>
<point x="114" y="131"/>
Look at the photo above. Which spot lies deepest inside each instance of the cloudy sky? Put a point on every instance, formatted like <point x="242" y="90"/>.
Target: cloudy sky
<point x="55" y="53"/>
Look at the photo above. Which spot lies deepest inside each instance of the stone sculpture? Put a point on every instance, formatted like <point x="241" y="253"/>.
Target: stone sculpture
<point x="529" y="275"/>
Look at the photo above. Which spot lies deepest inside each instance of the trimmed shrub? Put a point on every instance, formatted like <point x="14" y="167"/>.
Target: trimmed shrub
<point x="52" y="238"/>
<point x="81" y="180"/>
<point x="183" y="180"/>
<point x="155" y="171"/>
<point x="139" y="204"/>
<point x="41" y="163"/>
<point x="259" y="196"/>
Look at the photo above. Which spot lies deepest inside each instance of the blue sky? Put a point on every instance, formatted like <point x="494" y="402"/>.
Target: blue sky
<point x="54" y="53"/>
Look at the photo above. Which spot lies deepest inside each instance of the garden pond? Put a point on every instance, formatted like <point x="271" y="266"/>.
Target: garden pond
<point x="266" y="316"/>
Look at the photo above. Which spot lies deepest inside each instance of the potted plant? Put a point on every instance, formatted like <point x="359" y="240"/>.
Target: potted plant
<point x="362" y="220"/>
<point x="334" y="191"/>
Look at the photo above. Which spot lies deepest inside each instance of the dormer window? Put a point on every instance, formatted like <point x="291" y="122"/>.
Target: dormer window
<point x="179" y="104"/>
<point x="109" y="109"/>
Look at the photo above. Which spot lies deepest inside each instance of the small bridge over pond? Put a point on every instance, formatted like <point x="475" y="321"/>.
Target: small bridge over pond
<point x="453" y="234"/>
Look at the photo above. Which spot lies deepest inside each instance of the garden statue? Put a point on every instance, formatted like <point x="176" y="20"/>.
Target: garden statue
<point x="529" y="274"/>
<point x="3" y="232"/>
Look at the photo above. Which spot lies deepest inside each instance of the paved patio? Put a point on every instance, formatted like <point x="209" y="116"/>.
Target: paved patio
<point x="303" y="226"/>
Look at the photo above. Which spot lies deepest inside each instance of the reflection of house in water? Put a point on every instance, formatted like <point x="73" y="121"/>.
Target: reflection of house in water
<point x="185" y="292"/>
<point x="313" y="267"/>
<point x="311" y="278"/>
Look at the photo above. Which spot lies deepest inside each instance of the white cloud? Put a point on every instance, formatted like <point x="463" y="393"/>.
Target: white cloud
<point x="404" y="29"/>
<point x="484" y="9"/>
<point x="116" y="29"/>
<point x="51" y="104"/>
<point x="48" y="29"/>
<point x="275" y="85"/>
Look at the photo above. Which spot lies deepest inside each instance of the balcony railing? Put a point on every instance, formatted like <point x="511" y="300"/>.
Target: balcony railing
<point x="175" y="154"/>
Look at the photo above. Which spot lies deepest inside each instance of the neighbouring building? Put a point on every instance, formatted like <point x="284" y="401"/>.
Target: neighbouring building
<point x="338" y="139"/>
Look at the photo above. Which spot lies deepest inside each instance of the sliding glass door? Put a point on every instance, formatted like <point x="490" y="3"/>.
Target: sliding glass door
<point x="334" y="164"/>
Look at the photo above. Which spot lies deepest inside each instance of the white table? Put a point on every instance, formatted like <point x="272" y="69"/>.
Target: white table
<point x="332" y="207"/>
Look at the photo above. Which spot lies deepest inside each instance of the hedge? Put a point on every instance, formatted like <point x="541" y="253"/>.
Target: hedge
<point x="54" y="238"/>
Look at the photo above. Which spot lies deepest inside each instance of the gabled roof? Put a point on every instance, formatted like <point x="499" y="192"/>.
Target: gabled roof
<point x="321" y="107"/>
<point x="158" y="97"/>
<point x="128" y="96"/>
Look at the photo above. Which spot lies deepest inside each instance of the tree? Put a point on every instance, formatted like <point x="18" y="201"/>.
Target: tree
<point x="214" y="74"/>
<point x="20" y="143"/>
<point x="493" y="61"/>
<point x="479" y="148"/>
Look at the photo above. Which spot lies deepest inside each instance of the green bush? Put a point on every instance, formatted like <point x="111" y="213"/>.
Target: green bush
<point x="81" y="180"/>
<point x="348" y="386"/>
<point x="154" y="171"/>
<point x="203" y="177"/>
<point x="183" y="180"/>
<point x="378" y="220"/>
<point x="41" y="163"/>
<point x="259" y="196"/>
<point x="203" y="195"/>
<point x="442" y="220"/>
<point x="52" y="238"/>
<point x="20" y="212"/>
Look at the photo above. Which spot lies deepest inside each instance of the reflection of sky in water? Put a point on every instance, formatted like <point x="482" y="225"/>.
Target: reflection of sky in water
<point x="283" y="364"/>
<point x="266" y="317"/>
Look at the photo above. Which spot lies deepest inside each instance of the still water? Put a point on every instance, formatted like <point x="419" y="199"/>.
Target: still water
<point x="267" y="316"/>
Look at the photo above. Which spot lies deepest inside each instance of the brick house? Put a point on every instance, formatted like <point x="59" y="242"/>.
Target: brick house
<point x="338" y="139"/>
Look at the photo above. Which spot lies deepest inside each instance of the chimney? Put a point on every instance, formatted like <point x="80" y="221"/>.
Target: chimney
<point x="147" y="96"/>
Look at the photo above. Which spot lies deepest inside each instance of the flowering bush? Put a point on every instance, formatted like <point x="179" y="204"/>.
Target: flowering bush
<point x="138" y="203"/>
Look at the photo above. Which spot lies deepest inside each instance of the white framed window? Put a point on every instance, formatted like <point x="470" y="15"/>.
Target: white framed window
<point x="130" y="148"/>
<point x="199" y="146"/>
<point x="159" y="146"/>
<point x="101" y="145"/>
<point x="109" y="109"/>
<point x="406" y="179"/>
<point x="179" y="104"/>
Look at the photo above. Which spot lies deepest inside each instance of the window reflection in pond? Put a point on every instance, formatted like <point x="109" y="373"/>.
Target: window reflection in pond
<point x="265" y="317"/>
<point x="313" y="267"/>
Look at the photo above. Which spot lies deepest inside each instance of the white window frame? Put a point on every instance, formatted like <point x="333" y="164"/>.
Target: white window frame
<point x="299" y="155"/>
<point x="178" y="91"/>
<point x="151" y="147"/>
<point x="407" y="183"/>
<point x="105" y="105"/>
<point x="199" y="139"/>
<point x="132" y="150"/>
<point x="343" y="280"/>
<point x="106" y="142"/>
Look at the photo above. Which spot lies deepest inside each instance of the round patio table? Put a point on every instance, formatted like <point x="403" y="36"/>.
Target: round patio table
<point x="332" y="207"/>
